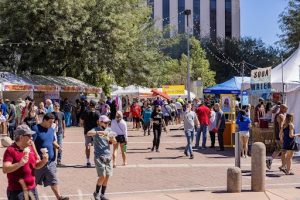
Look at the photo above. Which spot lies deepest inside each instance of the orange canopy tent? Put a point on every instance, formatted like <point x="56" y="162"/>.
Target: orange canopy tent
<point x="161" y="94"/>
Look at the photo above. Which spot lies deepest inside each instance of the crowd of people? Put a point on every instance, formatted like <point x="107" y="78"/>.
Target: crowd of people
<point x="38" y="132"/>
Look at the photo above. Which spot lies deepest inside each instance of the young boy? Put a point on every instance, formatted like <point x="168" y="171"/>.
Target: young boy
<point x="103" y="161"/>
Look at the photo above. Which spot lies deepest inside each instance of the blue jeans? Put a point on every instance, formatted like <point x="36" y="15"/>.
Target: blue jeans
<point x="59" y="141"/>
<point x="68" y="119"/>
<point x="202" y="129"/>
<point x="189" y="134"/>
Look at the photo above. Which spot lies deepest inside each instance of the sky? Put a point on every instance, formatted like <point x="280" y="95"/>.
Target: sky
<point x="259" y="19"/>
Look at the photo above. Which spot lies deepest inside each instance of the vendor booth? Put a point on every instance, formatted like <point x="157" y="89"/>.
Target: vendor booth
<point x="228" y="91"/>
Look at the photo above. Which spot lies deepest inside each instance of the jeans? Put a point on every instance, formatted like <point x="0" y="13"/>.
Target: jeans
<point x="221" y="138"/>
<point x="212" y="138"/>
<point x="156" y="136"/>
<point x="59" y="141"/>
<point x="68" y="119"/>
<point x="189" y="134"/>
<point x="19" y="195"/>
<point x="202" y="129"/>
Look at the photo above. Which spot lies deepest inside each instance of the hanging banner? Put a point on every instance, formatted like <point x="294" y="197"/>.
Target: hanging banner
<point x="17" y="88"/>
<point x="54" y="95"/>
<point x="92" y="90"/>
<point x="71" y="89"/>
<point x="173" y="89"/>
<point x="261" y="80"/>
<point x="46" y="88"/>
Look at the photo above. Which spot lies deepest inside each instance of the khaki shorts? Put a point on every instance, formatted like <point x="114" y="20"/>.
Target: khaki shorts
<point x="103" y="169"/>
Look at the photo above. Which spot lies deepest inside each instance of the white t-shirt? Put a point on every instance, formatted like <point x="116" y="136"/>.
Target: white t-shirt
<point x="2" y="118"/>
<point x="178" y="105"/>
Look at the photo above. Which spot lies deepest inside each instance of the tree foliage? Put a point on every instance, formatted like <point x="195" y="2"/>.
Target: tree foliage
<point x="290" y="25"/>
<point x="87" y="39"/>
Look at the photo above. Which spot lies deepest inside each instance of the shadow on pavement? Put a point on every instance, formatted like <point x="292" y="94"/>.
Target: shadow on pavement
<point x="197" y="190"/>
<point x="74" y="166"/>
<point x="152" y="158"/>
<point x="139" y="149"/>
<point x="177" y="135"/>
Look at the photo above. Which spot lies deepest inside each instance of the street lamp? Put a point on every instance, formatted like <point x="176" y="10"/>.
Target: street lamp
<point x="187" y="13"/>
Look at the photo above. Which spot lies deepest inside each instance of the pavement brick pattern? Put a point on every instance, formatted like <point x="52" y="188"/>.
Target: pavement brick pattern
<point x="165" y="175"/>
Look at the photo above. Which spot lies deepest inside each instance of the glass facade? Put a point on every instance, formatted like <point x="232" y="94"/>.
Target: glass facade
<point x="196" y="18"/>
<point x="166" y="17"/>
<point x="228" y="18"/>
<point x="213" y="19"/>
<point x="181" y="16"/>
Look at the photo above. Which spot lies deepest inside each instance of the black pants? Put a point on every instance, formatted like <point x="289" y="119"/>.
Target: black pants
<point x="221" y="138"/>
<point x="156" y="136"/>
<point x="19" y="195"/>
<point x="212" y="138"/>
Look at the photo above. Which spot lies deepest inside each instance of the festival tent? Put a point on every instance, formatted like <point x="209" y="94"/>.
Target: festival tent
<point x="232" y="86"/>
<point x="133" y="91"/>
<point x="288" y="73"/>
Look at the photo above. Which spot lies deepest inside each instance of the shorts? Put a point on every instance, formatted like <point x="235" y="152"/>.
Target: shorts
<point x="19" y="194"/>
<point x="244" y="133"/>
<point x="121" y="139"/>
<point x="88" y="140"/>
<point x="47" y="175"/>
<point x="136" y="119"/>
<point x="179" y="112"/>
<point x="103" y="169"/>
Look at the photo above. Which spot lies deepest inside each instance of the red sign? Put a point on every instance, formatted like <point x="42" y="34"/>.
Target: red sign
<point x="46" y="88"/>
<point x="17" y="88"/>
<point x="93" y="90"/>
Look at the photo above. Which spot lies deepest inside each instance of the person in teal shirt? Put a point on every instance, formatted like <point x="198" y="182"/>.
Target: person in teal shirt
<point x="146" y="115"/>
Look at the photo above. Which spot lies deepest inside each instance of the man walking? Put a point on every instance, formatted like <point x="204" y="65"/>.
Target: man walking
<point x="19" y="163"/>
<point x="278" y="131"/>
<point x="44" y="139"/>
<point x="60" y="130"/>
<point x="103" y="161"/>
<point x="203" y="114"/>
<point x="220" y="120"/>
<point x="190" y="120"/>
<point x="89" y="119"/>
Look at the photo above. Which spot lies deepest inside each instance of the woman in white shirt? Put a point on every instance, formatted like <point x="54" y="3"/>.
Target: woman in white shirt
<point x="119" y="126"/>
<point x="212" y="127"/>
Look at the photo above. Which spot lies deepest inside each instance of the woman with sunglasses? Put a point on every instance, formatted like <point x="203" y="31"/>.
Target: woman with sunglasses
<point x="119" y="126"/>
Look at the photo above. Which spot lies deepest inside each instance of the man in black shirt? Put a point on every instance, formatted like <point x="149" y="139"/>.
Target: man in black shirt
<point x="89" y="120"/>
<point x="60" y="130"/>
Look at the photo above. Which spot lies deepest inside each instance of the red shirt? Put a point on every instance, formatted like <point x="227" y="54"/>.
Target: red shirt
<point x="14" y="154"/>
<point x="136" y="110"/>
<point x="203" y="114"/>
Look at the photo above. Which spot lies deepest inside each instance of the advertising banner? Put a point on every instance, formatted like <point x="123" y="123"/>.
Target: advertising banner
<point x="261" y="80"/>
<point x="71" y="89"/>
<point x="46" y="88"/>
<point x="17" y="88"/>
<point x="173" y="89"/>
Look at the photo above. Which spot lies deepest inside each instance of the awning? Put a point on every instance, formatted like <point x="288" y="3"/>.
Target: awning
<point x="159" y="93"/>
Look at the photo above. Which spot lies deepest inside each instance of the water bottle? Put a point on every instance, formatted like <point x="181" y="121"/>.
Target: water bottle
<point x="125" y="148"/>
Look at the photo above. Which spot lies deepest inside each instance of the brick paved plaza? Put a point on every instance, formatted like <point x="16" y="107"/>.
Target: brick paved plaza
<point x="164" y="175"/>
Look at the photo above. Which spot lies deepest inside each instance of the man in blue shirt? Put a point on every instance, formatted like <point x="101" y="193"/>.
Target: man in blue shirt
<point x="44" y="140"/>
<point x="147" y="119"/>
<point x="3" y="106"/>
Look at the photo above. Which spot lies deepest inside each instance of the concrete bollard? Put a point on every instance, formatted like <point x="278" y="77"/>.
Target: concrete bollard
<point x="258" y="167"/>
<point x="234" y="180"/>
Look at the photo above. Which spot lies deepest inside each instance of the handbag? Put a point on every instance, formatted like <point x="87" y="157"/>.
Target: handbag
<point x="295" y="145"/>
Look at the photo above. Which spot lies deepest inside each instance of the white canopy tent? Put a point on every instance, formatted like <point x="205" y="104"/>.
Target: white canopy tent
<point x="132" y="91"/>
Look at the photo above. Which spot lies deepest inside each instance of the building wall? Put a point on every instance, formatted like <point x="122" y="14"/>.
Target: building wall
<point x="205" y="17"/>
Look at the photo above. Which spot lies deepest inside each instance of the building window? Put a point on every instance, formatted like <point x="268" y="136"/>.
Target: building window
<point x="181" y="17"/>
<point x="228" y="18"/>
<point x="196" y="18"/>
<point x="213" y="19"/>
<point x="151" y="5"/>
<point x="166" y="17"/>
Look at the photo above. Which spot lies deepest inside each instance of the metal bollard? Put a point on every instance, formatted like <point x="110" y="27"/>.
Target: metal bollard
<point x="258" y="167"/>
<point x="234" y="180"/>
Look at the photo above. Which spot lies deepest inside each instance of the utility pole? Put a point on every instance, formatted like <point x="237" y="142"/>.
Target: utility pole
<point x="188" y="84"/>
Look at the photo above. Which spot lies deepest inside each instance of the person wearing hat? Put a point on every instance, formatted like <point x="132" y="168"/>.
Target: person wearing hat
<point x="102" y="155"/>
<point x="19" y="163"/>
<point x="89" y="119"/>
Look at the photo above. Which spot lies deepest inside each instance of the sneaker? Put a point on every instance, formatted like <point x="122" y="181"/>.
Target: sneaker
<point x="88" y="164"/>
<point x="96" y="196"/>
<point x="185" y="153"/>
<point x="157" y="150"/>
<point x="102" y="197"/>
<point x="192" y="156"/>
<point x="289" y="173"/>
<point x="63" y="198"/>
<point x="152" y="149"/>
<point x="58" y="163"/>
<point x="269" y="164"/>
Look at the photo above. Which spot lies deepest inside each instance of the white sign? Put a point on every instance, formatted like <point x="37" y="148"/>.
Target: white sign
<point x="261" y="80"/>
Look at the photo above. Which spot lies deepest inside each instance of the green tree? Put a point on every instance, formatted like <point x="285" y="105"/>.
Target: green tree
<point x="290" y="25"/>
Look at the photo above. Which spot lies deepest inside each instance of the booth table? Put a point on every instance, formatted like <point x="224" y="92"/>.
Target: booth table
<point x="264" y="135"/>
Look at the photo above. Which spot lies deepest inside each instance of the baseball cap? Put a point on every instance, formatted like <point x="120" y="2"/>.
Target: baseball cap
<point x="23" y="130"/>
<point x="104" y="118"/>
<point x="93" y="103"/>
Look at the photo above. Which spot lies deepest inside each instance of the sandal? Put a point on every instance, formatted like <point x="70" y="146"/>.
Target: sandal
<point x="283" y="169"/>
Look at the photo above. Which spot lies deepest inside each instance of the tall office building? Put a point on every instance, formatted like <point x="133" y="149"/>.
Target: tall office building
<point x="214" y="18"/>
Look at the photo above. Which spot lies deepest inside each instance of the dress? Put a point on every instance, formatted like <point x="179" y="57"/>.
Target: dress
<point x="287" y="140"/>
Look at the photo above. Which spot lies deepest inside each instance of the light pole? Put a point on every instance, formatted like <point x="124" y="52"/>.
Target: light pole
<point x="188" y="84"/>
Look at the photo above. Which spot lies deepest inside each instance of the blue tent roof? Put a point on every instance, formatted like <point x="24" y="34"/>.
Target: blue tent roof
<point x="232" y="86"/>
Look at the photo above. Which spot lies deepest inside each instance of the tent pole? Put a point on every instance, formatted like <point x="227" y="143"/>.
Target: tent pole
<point x="282" y="83"/>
